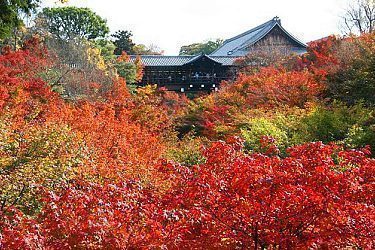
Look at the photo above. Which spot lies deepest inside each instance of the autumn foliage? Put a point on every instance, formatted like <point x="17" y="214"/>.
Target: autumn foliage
<point x="241" y="168"/>
<point x="310" y="198"/>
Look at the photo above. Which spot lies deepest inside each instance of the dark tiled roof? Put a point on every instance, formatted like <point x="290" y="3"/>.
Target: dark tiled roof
<point x="237" y="45"/>
<point x="229" y="52"/>
<point x="224" y="60"/>
<point x="152" y="60"/>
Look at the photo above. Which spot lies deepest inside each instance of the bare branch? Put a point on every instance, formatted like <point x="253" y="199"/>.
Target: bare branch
<point x="360" y="17"/>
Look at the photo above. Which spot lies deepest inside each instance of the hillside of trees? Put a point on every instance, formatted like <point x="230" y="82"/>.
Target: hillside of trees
<point x="280" y="158"/>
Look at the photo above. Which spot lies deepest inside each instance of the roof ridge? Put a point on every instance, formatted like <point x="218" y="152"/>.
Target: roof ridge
<point x="244" y="44"/>
<point x="257" y="36"/>
<point x="264" y="33"/>
<point x="250" y="31"/>
<point x="162" y="55"/>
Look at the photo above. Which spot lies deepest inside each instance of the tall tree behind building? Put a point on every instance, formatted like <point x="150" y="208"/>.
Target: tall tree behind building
<point x="123" y="42"/>
<point x="199" y="48"/>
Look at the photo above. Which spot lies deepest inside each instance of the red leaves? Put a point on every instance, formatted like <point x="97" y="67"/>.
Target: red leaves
<point x="268" y="89"/>
<point x="274" y="87"/>
<point x="300" y="201"/>
<point x="4" y="95"/>
<point x="99" y="216"/>
<point x="321" y="58"/>
<point x="123" y="196"/>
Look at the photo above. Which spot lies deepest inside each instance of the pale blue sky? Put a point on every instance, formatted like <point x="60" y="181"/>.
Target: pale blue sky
<point x="169" y="24"/>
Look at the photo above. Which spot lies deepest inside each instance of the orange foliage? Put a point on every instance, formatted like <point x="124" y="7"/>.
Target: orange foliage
<point x="139" y="65"/>
<point x="117" y="146"/>
<point x="267" y="89"/>
<point x="124" y="196"/>
<point x="272" y="87"/>
<point x="124" y="57"/>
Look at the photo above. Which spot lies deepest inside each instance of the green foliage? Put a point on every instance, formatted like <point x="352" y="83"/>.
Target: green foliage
<point x="201" y="48"/>
<point x="353" y="126"/>
<point x="361" y="136"/>
<point x="332" y="124"/>
<point x="70" y="22"/>
<point x="281" y="125"/>
<point x="10" y="14"/>
<point x="187" y="150"/>
<point x="132" y="88"/>
<point x="40" y="156"/>
<point x="141" y="49"/>
<point x="106" y="48"/>
<point x="127" y="70"/>
<point x="123" y="42"/>
<point x="259" y="127"/>
<point x="357" y="82"/>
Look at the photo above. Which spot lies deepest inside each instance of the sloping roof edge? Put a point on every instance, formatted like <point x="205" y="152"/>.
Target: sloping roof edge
<point x="293" y="37"/>
<point x="195" y="58"/>
<point x="249" y="31"/>
<point x="149" y="60"/>
<point x="246" y="44"/>
<point x="243" y="34"/>
<point x="265" y="28"/>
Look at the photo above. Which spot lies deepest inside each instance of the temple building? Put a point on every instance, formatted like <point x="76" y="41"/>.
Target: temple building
<point x="205" y="72"/>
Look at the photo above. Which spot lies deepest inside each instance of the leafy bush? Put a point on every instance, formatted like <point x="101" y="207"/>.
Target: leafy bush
<point x="127" y="70"/>
<point x="352" y="126"/>
<point x="257" y="128"/>
<point x="338" y="123"/>
<point x="39" y="156"/>
<point x="187" y="150"/>
<point x="347" y="65"/>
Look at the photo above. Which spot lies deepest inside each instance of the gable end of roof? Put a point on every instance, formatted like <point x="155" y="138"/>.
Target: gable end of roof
<point x="252" y="36"/>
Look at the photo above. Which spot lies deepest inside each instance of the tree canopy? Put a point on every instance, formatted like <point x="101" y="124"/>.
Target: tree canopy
<point x="199" y="48"/>
<point x="141" y="49"/>
<point x="122" y="39"/>
<point x="70" y="22"/>
<point x="10" y="14"/>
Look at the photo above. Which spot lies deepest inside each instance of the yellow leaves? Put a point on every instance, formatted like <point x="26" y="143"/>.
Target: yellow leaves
<point x="95" y="58"/>
<point x="147" y="91"/>
<point x="33" y="156"/>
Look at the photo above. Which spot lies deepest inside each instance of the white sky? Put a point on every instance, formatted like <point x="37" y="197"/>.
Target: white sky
<point x="169" y="24"/>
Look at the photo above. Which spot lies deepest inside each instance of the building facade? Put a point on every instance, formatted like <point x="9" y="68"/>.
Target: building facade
<point x="206" y="72"/>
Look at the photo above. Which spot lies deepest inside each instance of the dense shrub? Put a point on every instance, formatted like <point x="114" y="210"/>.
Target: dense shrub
<point x="346" y="65"/>
<point x="187" y="150"/>
<point x="309" y="199"/>
<point x="270" y="88"/>
<point x="333" y="123"/>
<point x="350" y="126"/>
<point x="257" y="128"/>
<point x="301" y="201"/>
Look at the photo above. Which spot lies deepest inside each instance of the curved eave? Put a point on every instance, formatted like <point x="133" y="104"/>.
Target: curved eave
<point x="293" y="38"/>
<point x="262" y="26"/>
<point x="194" y="59"/>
